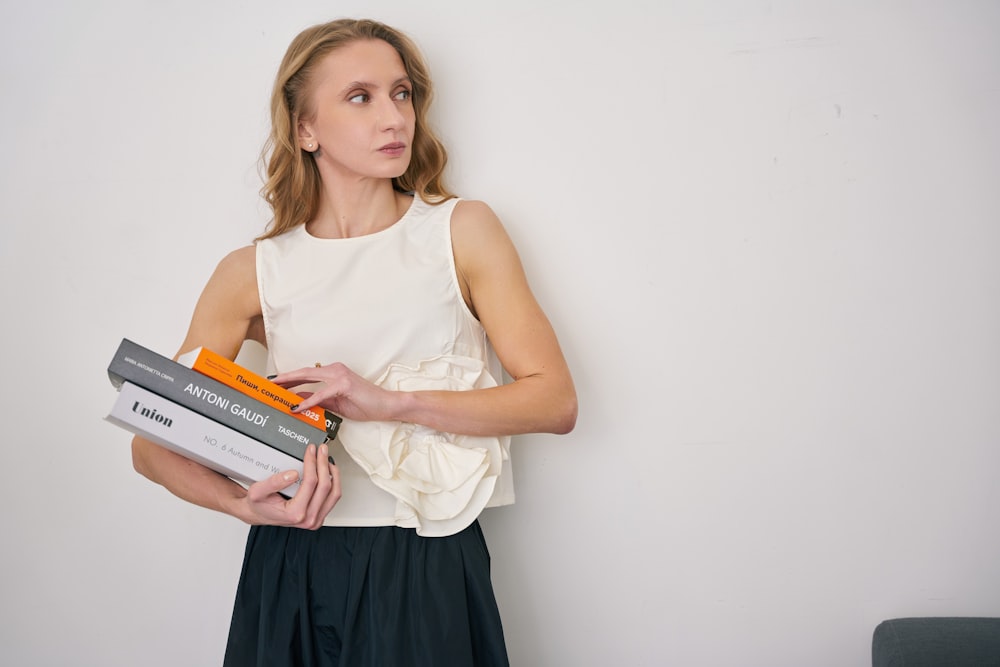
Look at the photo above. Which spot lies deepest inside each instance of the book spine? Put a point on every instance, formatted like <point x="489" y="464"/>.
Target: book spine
<point x="199" y="438"/>
<point x="191" y="389"/>
<point x="230" y="373"/>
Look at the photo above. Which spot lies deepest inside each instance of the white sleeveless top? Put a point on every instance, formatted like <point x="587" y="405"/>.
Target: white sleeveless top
<point x="389" y="306"/>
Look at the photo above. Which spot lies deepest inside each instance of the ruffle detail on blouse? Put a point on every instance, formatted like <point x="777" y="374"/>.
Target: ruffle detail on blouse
<point x="441" y="481"/>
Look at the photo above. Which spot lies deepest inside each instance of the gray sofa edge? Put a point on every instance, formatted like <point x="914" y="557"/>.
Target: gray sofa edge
<point x="937" y="641"/>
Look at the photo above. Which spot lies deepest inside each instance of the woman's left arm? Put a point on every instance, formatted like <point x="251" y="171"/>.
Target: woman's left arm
<point x="541" y="398"/>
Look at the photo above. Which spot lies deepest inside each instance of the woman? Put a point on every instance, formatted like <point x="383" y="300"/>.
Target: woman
<point x="392" y="301"/>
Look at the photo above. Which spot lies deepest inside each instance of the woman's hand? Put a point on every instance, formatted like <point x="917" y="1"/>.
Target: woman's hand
<point x="344" y="392"/>
<point x="319" y="491"/>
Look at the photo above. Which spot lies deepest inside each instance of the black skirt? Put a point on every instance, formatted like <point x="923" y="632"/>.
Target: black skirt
<point x="365" y="597"/>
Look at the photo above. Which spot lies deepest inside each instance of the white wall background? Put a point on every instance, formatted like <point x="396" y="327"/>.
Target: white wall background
<point x="767" y="233"/>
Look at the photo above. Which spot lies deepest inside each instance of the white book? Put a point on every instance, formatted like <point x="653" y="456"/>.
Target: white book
<point x="199" y="438"/>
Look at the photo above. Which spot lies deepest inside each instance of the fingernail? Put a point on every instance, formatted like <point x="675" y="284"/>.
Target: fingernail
<point x="271" y="377"/>
<point x="330" y="459"/>
<point x="295" y="407"/>
<point x="290" y="475"/>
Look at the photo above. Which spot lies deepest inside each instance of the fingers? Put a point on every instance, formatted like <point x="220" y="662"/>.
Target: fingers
<point x="259" y="491"/>
<point x="296" y="509"/>
<point x="308" y="400"/>
<point x="326" y="484"/>
<point x="293" y="379"/>
<point x="318" y="491"/>
<point x="306" y="375"/>
<point x="335" y="492"/>
<point x="311" y="482"/>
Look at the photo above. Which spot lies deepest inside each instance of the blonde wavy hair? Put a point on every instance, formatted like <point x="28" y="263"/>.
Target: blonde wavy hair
<point x="292" y="180"/>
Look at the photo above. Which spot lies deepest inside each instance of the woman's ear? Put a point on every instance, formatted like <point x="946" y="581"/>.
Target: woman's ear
<point x="307" y="141"/>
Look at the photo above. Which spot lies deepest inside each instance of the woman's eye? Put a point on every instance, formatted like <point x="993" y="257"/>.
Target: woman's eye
<point x="360" y="98"/>
<point x="403" y="95"/>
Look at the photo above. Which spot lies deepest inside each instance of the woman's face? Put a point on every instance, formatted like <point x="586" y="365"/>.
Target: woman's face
<point x="363" y="118"/>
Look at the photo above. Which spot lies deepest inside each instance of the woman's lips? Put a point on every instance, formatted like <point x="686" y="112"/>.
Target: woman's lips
<point x="396" y="148"/>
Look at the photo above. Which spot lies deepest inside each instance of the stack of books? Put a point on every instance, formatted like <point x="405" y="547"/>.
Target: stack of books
<point x="212" y="410"/>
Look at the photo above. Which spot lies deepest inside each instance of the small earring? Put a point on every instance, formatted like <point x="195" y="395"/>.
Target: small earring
<point x="309" y="146"/>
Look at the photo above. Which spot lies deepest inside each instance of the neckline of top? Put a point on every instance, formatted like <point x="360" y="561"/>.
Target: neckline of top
<point x="407" y="215"/>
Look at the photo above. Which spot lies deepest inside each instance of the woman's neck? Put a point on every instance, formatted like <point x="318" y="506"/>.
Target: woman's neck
<point x="364" y="208"/>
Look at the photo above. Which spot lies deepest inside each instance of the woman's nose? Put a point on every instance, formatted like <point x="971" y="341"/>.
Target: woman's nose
<point x="390" y="116"/>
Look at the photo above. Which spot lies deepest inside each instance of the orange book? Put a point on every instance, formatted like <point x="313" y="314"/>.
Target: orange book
<point x="229" y="373"/>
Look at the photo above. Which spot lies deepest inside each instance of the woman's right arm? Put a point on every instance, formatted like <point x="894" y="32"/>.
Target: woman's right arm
<point x="228" y="312"/>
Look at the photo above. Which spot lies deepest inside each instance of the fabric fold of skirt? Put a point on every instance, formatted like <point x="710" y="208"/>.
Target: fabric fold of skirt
<point x="359" y="597"/>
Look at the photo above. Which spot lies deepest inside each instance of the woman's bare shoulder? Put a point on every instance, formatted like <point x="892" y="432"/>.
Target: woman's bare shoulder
<point x="235" y="281"/>
<point x="475" y="226"/>
<point x="228" y="307"/>
<point x="241" y="260"/>
<point x="473" y="211"/>
<point x="236" y="272"/>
